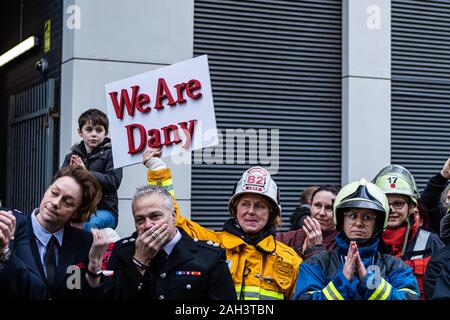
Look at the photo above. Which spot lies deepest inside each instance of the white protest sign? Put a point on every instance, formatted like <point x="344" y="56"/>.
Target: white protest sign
<point x="170" y="107"/>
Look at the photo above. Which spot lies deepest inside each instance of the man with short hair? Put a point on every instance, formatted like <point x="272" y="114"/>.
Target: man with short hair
<point x="160" y="261"/>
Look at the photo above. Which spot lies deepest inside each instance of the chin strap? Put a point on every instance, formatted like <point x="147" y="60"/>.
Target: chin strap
<point x="405" y="242"/>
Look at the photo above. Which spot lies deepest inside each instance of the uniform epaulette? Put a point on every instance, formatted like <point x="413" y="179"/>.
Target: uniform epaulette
<point x="207" y="244"/>
<point x="125" y="242"/>
<point x="13" y="210"/>
<point x="19" y="212"/>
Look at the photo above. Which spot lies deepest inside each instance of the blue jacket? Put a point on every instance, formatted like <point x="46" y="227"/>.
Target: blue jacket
<point x="389" y="278"/>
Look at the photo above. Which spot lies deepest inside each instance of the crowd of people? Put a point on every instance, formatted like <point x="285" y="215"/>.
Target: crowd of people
<point x="369" y="240"/>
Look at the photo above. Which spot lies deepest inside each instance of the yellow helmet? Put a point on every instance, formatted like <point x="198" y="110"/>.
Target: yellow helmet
<point x="395" y="179"/>
<point x="361" y="194"/>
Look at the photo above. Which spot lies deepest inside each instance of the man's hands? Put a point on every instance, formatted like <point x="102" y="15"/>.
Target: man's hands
<point x="313" y="233"/>
<point x="150" y="241"/>
<point x="7" y="228"/>
<point x="98" y="249"/>
<point x="99" y="246"/>
<point x="354" y="263"/>
<point x="445" y="172"/>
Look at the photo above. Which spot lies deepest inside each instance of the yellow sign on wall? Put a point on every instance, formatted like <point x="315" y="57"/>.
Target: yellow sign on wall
<point x="47" y="27"/>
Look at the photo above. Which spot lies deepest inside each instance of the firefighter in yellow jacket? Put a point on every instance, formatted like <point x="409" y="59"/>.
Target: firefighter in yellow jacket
<point x="262" y="268"/>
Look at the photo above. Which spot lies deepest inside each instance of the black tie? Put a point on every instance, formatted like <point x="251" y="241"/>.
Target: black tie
<point x="50" y="261"/>
<point x="159" y="260"/>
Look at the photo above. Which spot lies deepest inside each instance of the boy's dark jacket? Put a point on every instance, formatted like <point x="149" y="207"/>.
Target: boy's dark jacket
<point x="100" y="164"/>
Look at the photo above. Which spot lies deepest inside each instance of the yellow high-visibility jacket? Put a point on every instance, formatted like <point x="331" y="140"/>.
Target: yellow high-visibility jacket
<point x="262" y="276"/>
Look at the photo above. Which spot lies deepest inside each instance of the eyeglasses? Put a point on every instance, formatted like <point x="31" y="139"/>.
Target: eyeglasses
<point x="319" y="206"/>
<point x="257" y="207"/>
<point x="366" y="217"/>
<point x="397" y="205"/>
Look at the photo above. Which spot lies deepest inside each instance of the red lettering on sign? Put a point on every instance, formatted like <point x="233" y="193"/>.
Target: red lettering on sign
<point x="188" y="132"/>
<point x="167" y="137"/>
<point x="180" y="87"/>
<point x="192" y="86"/>
<point x="163" y="92"/>
<point x="124" y="101"/>
<point x="154" y="140"/>
<point x="131" y="145"/>
<point x="153" y="137"/>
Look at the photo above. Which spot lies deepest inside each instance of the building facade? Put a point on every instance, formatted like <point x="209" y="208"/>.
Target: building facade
<point x="318" y="91"/>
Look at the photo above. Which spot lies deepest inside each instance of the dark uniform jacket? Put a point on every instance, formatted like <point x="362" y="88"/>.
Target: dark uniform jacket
<point x="430" y="198"/>
<point x="194" y="270"/>
<point x="18" y="278"/>
<point x="436" y="284"/>
<point x="100" y="164"/>
<point x="74" y="251"/>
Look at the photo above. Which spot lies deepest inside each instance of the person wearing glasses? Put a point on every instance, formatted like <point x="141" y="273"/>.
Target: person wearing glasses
<point x="261" y="267"/>
<point x="318" y="232"/>
<point x="403" y="237"/>
<point x="356" y="270"/>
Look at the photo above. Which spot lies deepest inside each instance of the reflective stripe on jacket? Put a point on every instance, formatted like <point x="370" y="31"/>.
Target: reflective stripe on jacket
<point x="262" y="276"/>
<point x="388" y="278"/>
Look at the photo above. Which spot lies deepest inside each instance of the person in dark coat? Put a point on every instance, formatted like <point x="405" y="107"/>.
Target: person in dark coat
<point x="436" y="284"/>
<point x="432" y="209"/>
<point x="161" y="262"/>
<point x="68" y="260"/>
<point x="18" y="279"/>
<point x="298" y="217"/>
<point x="94" y="153"/>
<point x="319" y="232"/>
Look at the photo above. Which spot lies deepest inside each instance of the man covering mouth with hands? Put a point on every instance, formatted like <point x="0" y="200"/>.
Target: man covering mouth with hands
<point x="160" y="261"/>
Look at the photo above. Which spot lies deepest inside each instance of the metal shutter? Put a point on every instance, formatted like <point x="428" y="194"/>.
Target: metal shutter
<point x="274" y="65"/>
<point x="421" y="86"/>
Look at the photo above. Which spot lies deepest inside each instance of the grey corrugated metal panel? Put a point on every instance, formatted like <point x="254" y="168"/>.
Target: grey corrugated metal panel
<point x="272" y="63"/>
<point x="421" y="43"/>
<point x="269" y="89"/>
<point x="415" y="70"/>
<point x="424" y="83"/>
<point x="268" y="55"/>
<point x="267" y="76"/>
<point x="421" y="51"/>
<point x="430" y="150"/>
<point x="270" y="59"/>
<point x="282" y="45"/>
<point x="278" y="31"/>
<point x="289" y="36"/>
<point x="312" y="108"/>
<point x="420" y="82"/>
<point x="244" y="60"/>
<point x="268" y="6"/>
<point x="420" y="6"/>
<point x="430" y="64"/>
<point x="246" y="74"/>
<point x="423" y="26"/>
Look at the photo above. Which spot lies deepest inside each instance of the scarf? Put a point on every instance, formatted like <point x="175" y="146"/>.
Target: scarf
<point x="366" y="252"/>
<point x="233" y="227"/>
<point x="395" y="238"/>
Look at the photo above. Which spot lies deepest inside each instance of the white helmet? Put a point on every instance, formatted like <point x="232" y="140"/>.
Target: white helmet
<point x="257" y="180"/>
